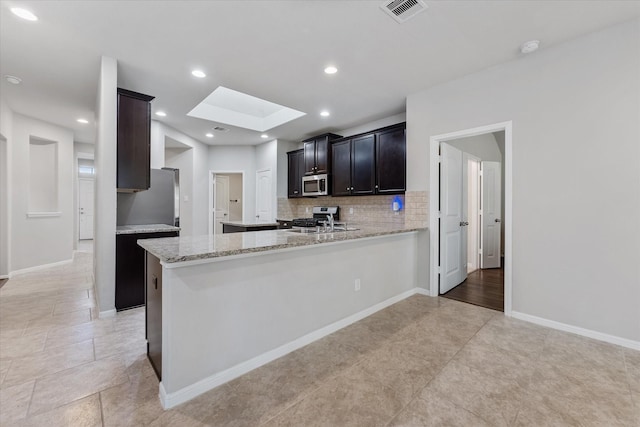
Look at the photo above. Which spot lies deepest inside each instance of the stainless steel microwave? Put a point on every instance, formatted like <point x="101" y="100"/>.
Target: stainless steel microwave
<point x="315" y="185"/>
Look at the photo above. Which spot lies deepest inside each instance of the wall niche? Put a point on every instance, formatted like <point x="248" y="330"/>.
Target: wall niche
<point x="43" y="178"/>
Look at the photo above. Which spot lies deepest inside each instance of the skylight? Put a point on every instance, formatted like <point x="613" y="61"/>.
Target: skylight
<point x="235" y="108"/>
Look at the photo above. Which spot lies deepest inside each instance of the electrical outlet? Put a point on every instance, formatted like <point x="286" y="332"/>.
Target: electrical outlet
<point x="357" y="285"/>
<point x="351" y="210"/>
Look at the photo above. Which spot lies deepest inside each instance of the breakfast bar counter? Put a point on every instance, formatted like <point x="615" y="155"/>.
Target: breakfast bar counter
<point x="202" y="248"/>
<point x="221" y="306"/>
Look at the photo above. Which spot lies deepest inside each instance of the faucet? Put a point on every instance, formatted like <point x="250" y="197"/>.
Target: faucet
<point x="330" y="224"/>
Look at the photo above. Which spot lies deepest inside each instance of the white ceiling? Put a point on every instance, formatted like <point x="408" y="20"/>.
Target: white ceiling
<point x="275" y="50"/>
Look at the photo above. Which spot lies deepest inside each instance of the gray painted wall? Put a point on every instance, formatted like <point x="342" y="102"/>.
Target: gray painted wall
<point x="575" y="109"/>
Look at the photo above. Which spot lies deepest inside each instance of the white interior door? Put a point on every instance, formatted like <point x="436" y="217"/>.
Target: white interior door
<point x="221" y="206"/>
<point x="263" y="196"/>
<point x="85" y="207"/>
<point x="491" y="208"/>
<point x="453" y="262"/>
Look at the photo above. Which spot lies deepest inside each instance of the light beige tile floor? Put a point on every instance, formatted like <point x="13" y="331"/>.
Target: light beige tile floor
<point x="421" y="362"/>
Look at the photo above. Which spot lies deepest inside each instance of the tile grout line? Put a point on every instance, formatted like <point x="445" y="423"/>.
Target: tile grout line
<point x="33" y="391"/>
<point x="101" y="408"/>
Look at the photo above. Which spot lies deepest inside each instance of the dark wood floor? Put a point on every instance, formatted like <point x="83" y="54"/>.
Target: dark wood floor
<point x="3" y="281"/>
<point x="482" y="287"/>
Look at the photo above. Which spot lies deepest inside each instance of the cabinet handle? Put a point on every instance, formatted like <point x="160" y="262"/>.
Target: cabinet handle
<point x="347" y="188"/>
<point x="351" y="188"/>
<point x="295" y="192"/>
<point x="155" y="281"/>
<point x="376" y="186"/>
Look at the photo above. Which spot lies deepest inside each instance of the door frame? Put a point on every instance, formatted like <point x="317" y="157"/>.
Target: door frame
<point x="211" y="203"/>
<point x="5" y="205"/>
<point x="434" y="197"/>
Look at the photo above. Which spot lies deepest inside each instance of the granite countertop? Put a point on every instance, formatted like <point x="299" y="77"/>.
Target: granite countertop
<point x="192" y="248"/>
<point x="145" y="228"/>
<point x="249" y="224"/>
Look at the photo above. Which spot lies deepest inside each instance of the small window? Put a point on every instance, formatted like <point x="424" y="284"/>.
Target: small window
<point x="86" y="171"/>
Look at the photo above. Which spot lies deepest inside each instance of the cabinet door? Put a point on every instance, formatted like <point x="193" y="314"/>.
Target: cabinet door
<point x="341" y="160"/>
<point x="391" y="161"/>
<point x="363" y="165"/>
<point x="309" y="157"/>
<point x="133" y="141"/>
<point x="295" y="172"/>
<point x="322" y="155"/>
<point x="130" y="268"/>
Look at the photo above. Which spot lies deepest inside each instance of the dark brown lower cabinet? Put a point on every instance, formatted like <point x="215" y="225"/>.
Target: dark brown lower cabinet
<point x="154" y="312"/>
<point x="130" y="268"/>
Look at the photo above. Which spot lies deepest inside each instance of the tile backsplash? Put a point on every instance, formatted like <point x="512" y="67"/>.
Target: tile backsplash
<point x="366" y="209"/>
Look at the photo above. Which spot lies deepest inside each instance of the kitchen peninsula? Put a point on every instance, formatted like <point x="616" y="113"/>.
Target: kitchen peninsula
<point x="220" y="306"/>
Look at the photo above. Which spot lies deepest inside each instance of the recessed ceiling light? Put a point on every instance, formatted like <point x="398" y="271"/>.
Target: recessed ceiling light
<point x="264" y="135"/>
<point x="83" y="121"/>
<point x="199" y="73"/>
<point x="324" y="113"/>
<point x="161" y="114"/>
<point x="530" y="46"/>
<point x="331" y="70"/>
<point x="24" y="14"/>
<point x="209" y="135"/>
<point x="13" y="79"/>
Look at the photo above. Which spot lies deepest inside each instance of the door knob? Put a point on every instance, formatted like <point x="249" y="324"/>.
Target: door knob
<point x="497" y="220"/>
<point x="463" y="223"/>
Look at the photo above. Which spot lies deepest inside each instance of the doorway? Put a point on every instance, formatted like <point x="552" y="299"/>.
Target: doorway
<point x="470" y="216"/>
<point x="86" y="185"/>
<point x="226" y="200"/>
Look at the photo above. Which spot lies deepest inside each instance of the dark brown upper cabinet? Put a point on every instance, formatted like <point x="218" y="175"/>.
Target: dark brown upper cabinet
<point x="370" y="163"/>
<point x="317" y="154"/>
<point x="391" y="161"/>
<point x="296" y="171"/>
<point x="134" y="141"/>
<point x="341" y="161"/>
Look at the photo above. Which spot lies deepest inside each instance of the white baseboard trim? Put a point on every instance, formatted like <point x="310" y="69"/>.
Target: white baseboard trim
<point x="39" y="267"/>
<point x="169" y="400"/>
<point x="423" y="291"/>
<point x="107" y="313"/>
<point x="4" y="276"/>
<point x="600" y="336"/>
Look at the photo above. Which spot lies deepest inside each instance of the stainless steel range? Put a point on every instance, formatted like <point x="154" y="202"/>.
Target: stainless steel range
<point x="320" y="214"/>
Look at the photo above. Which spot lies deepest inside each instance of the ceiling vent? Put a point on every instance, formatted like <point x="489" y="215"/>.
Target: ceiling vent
<point x="220" y="129"/>
<point x="403" y="10"/>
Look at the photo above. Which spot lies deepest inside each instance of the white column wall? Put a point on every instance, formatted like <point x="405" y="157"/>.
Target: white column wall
<point x="105" y="187"/>
<point x="47" y="240"/>
<point x="575" y="109"/>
